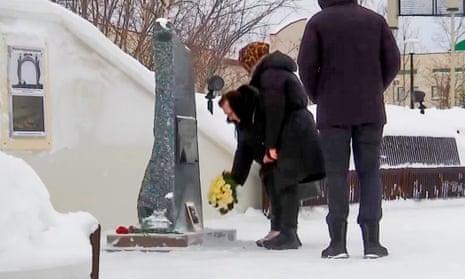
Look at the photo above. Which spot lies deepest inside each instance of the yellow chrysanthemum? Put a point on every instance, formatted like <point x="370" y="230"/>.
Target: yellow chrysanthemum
<point x="215" y="189"/>
<point x="212" y="199"/>
<point x="221" y="193"/>
<point x="228" y="198"/>
<point x="227" y="189"/>
<point x="220" y="182"/>
<point x="220" y="204"/>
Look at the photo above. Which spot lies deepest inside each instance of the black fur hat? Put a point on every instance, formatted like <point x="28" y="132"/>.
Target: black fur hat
<point x="243" y="104"/>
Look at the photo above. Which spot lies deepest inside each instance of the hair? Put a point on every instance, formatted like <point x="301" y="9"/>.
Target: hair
<point x="242" y="101"/>
<point x="233" y="94"/>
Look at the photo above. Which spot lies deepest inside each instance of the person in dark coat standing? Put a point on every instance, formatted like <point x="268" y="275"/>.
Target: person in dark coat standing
<point x="276" y="130"/>
<point x="347" y="58"/>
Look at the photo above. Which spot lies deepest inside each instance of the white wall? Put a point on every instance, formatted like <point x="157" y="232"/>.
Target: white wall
<point x="101" y="122"/>
<point x="288" y="38"/>
<point x="214" y="159"/>
<point x="101" y="126"/>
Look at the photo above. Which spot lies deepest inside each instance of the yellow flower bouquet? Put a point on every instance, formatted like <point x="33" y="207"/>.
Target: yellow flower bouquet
<point x="222" y="193"/>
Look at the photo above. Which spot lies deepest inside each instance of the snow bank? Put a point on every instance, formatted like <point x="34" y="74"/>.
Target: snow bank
<point x="33" y="234"/>
<point x="401" y="121"/>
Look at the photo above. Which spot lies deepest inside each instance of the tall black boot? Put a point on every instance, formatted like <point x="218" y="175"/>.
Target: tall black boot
<point x="274" y="213"/>
<point x="372" y="248"/>
<point x="287" y="239"/>
<point x="337" y="247"/>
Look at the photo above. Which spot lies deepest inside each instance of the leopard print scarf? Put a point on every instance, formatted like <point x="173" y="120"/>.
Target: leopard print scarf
<point x="252" y="53"/>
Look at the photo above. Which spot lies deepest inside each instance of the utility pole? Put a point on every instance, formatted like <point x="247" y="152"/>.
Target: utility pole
<point x="452" y="8"/>
<point x="393" y="22"/>
<point x="412" y="87"/>
<point x="392" y="14"/>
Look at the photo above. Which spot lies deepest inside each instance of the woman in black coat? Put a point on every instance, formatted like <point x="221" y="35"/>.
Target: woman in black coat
<point x="275" y="129"/>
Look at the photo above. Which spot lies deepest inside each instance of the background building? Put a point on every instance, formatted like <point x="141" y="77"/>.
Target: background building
<point x="431" y="71"/>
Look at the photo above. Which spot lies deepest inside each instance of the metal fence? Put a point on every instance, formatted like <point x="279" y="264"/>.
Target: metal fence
<point x="405" y="183"/>
<point x="409" y="183"/>
<point x="401" y="150"/>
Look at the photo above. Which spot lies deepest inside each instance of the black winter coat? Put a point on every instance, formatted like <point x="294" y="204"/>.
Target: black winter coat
<point x="347" y="58"/>
<point x="280" y="120"/>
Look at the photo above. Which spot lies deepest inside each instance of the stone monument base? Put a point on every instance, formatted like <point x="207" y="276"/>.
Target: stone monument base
<point x="161" y="242"/>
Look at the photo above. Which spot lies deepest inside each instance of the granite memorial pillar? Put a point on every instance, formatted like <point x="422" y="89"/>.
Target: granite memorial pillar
<point x="171" y="183"/>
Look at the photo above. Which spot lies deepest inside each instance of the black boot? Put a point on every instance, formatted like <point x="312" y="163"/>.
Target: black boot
<point x="287" y="239"/>
<point x="270" y="235"/>
<point x="289" y="210"/>
<point x="337" y="247"/>
<point x="372" y="248"/>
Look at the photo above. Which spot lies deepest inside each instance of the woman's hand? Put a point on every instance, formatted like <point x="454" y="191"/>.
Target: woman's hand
<point x="270" y="156"/>
<point x="273" y="153"/>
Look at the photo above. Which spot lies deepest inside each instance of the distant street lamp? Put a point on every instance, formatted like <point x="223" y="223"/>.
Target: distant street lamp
<point x="420" y="98"/>
<point x="412" y="87"/>
<point x="452" y="8"/>
<point x="410" y="46"/>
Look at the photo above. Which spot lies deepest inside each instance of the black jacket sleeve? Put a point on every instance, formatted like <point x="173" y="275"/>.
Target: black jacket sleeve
<point x="243" y="158"/>
<point x="308" y="61"/>
<point x="273" y="89"/>
<point x="390" y="56"/>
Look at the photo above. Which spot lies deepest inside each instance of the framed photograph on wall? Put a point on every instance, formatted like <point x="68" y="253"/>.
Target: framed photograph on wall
<point x="193" y="216"/>
<point x="26" y="68"/>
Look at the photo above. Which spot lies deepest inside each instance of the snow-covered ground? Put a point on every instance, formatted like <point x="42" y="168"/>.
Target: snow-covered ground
<point x="33" y="235"/>
<point x="425" y="239"/>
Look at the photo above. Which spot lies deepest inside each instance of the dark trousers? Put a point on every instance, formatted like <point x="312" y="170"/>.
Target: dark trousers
<point x="284" y="200"/>
<point x="366" y="141"/>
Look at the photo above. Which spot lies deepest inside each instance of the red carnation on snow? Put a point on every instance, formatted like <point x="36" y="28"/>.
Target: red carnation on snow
<point x="122" y="230"/>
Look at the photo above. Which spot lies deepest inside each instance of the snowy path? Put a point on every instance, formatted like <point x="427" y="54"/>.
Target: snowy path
<point x="425" y="239"/>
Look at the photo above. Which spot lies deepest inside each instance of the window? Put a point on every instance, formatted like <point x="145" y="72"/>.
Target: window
<point x="441" y="70"/>
<point x="407" y="72"/>
<point x="435" y="93"/>
<point x="446" y="72"/>
<point x="400" y="93"/>
<point x="27" y="115"/>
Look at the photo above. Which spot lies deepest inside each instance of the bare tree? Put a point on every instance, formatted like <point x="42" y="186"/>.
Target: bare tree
<point x="440" y="79"/>
<point x="126" y="22"/>
<point x="210" y="28"/>
<point x="443" y="39"/>
<point x="443" y="35"/>
<point x="403" y="35"/>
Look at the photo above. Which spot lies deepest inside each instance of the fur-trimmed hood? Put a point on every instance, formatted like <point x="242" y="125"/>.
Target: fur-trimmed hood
<point x="275" y="60"/>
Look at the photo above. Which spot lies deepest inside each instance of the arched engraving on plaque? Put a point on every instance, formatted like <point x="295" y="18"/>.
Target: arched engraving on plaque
<point x="28" y="71"/>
